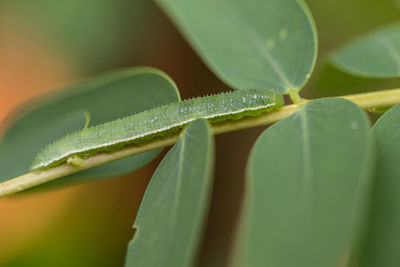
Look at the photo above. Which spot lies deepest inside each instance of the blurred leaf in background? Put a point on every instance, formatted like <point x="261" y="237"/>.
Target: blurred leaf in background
<point x="98" y="34"/>
<point x="382" y="47"/>
<point x="339" y="22"/>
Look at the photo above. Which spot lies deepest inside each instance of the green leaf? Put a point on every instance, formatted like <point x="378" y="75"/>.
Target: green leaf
<point x="106" y="97"/>
<point x="173" y="212"/>
<point x="309" y="175"/>
<point x="374" y="55"/>
<point x="383" y="238"/>
<point x="250" y="44"/>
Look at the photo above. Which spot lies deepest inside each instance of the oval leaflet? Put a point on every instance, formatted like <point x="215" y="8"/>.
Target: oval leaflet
<point x="160" y="121"/>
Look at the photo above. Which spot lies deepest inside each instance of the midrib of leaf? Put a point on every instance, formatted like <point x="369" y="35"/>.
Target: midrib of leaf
<point x="174" y="212"/>
<point x="392" y="51"/>
<point x="178" y="185"/>
<point x="178" y="192"/>
<point x="270" y="58"/>
<point x="260" y="46"/>
<point x="198" y="216"/>
<point x="307" y="170"/>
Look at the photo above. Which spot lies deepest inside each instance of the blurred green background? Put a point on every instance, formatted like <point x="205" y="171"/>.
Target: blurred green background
<point x="47" y="44"/>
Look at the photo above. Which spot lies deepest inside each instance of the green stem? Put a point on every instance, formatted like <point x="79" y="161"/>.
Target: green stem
<point x="368" y="101"/>
<point x="295" y="97"/>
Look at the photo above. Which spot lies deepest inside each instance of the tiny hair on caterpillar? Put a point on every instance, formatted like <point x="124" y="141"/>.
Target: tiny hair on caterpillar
<point x="161" y="121"/>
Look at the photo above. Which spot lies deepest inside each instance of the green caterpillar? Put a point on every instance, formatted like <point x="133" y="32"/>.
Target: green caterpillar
<point x="160" y="121"/>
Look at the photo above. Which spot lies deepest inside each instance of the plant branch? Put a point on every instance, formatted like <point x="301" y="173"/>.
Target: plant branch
<point x="369" y="101"/>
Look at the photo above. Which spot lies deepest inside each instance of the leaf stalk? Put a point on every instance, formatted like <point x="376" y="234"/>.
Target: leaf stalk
<point x="369" y="101"/>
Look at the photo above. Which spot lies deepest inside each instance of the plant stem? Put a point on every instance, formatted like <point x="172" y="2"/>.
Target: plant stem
<point x="295" y="97"/>
<point x="369" y="101"/>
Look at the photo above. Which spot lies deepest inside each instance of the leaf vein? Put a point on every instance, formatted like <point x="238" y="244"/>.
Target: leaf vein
<point x="307" y="170"/>
<point x="174" y="212"/>
<point x="262" y="49"/>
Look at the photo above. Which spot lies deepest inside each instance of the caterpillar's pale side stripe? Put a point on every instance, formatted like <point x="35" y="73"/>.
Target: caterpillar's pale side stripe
<point x="159" y="121"/>
<point x="71" y="152"/>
